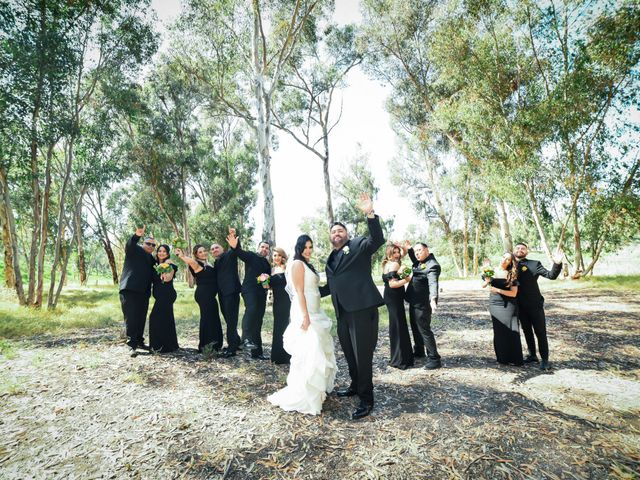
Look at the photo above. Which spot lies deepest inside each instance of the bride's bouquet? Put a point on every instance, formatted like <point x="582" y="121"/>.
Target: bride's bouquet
<point x="405" y="272"/>
<point x="488" y="272"/>
<point x="264" y="279"/>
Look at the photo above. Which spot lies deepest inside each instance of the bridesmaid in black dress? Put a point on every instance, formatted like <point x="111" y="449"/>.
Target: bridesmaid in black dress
<point x="205" y="295"/>
<point x="399" y="340"/>
<point x="281" y="306"/>
<point x="162" y="324"/>
<point x="504" y="311"/>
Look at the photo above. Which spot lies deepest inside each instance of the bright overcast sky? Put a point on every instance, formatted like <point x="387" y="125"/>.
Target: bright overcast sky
<point x="296" y="174"/>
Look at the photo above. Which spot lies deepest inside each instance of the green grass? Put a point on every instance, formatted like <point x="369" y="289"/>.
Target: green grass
<point x="99" y="307"/>
<point x="611" y="282"/>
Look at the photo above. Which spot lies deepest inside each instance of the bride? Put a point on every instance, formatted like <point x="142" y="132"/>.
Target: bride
<point x="307" y="338"/>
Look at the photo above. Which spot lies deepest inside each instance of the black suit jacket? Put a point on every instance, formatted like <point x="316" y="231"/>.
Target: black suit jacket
<point x="226" y="266"/>
<point x="528" y="272"/>
<point x="137" y="269"/>
<point x="424" y="284"/>
<point x="350" y="283"/>
<point x="255" y="265"/>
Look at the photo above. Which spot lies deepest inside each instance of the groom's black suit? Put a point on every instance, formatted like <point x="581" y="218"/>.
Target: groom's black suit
<point x="531" y="303"/>
<point x="356" y="300"/>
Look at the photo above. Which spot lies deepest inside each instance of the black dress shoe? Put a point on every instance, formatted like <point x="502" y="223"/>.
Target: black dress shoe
<point x="346" y="392"/>
<point x="433" y="364"/>
<point x="132" y="352"/>
<point x="248" y="346"/>
<point x="361" y="412"/>
<point x="142" y="346"/>
<point x="259" y="357"/>
<point x="544" y="365"/>
<point x="530" y="359"/>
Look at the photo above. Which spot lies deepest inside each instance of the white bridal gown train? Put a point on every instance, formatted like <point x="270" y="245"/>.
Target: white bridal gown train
<point x="313" y="363"/>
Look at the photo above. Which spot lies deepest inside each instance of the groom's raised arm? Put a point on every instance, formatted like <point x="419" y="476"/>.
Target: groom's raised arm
<point x="376" y="237"/>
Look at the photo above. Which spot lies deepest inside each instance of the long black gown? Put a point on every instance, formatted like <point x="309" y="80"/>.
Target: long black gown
<point x="399" y="340"/>
<point x="205" y="296"/>
<point x="281" y="310"/>
<point x="162" y="324"/>
<point x="506" y="328"/>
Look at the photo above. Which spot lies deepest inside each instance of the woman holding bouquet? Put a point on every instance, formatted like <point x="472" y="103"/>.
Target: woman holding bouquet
<point x="162" y="324"/>
<point x="395" y="278"/>
<point x="281" y="306"/>
<point x="503" y="308"/>
<point x="205" y="296"/>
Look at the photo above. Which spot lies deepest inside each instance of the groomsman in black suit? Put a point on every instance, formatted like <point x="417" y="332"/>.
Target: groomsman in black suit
<point x="422" y="296"/>
<point x="356" y="300"/>
<point x="531" y="302"/>
<point x="253" y="294"/>
<point x="135" y="288"/>
<point x="226" y="267"/>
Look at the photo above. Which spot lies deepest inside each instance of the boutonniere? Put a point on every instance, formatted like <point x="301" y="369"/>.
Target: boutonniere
<point x="345" y="250"/>
<point x="524" y="268"/>
<point x="423" y="266"/>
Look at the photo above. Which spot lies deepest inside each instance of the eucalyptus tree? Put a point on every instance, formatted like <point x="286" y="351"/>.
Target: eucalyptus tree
<point x="305" y="109"/>
<point x="239" y="49"/>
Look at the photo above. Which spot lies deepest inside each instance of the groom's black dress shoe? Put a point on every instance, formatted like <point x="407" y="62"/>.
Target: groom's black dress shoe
<point x="544" y="365"/>
<point x="361" y="412"/>
<point x="132" y="352"/>
<point x="259" y="357"/>
<point x="530" y="359"/>
<point x="142" y="346"/>
<point x="346" y="392"/>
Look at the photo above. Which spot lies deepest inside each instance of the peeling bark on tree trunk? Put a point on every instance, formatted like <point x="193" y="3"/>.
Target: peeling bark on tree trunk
<point x="13" y="277"/>
<point x="82" y="264"/>
<point x="44" y="227"/>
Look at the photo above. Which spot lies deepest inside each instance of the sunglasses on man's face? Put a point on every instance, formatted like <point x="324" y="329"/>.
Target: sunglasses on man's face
<point x="150" y="244"/>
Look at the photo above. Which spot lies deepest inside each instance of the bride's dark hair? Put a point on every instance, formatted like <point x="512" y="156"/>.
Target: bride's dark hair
<point x="301" y="243"/>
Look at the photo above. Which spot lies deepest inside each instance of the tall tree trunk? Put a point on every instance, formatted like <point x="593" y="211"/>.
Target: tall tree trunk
<point x="82" y="264"/>
<point x="448" y="233"/>
<point x="476" y="250"/>
<point x="35" y="180"/>
<point x="505" y="229"/>
<point x="10" y="240"/>
<point x="465" y="245"/>
<point x="327" y="178"/>
<point x="112" y="260"/>
<point x="327" y="190"/>
<point x="263" y="130"/>
<point x="44" y="226"/>
<point x="62" y="223"/>
<point x="537" y="220"/>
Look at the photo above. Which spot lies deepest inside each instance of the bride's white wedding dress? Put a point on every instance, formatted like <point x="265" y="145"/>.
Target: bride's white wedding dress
<point x="313" y="363"/>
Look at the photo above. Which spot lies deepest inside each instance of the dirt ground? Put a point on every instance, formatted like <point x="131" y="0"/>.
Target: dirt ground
<point x="79" y="407"/>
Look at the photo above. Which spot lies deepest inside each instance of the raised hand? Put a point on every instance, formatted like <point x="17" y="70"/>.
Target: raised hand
<point x="365" y="204"/>
<point x="179" y="252"/>
<point x="407" y="245"/>
<point x="140" y="230"/>
<point x="558" y="256"/>
<point x="232" y="239"/>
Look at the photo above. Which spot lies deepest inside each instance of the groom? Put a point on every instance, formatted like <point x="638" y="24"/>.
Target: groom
<point x="356" y="300"/>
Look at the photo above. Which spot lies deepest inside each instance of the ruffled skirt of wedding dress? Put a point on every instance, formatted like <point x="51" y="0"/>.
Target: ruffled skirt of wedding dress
<point x="312" y="371"/>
